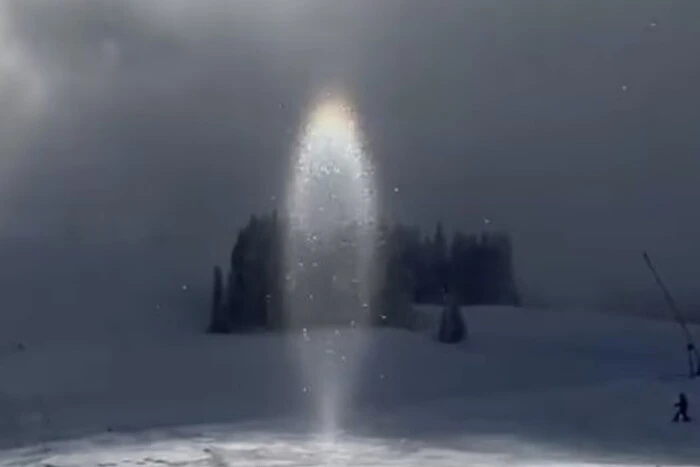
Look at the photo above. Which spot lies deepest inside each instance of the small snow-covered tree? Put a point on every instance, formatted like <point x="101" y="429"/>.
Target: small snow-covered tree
<point x="218" y="323"/>
<point x="452" y="327"/>
<point x="440" y="259"/>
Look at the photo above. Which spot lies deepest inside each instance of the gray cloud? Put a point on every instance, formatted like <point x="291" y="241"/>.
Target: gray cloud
<point x="571" y="123"/>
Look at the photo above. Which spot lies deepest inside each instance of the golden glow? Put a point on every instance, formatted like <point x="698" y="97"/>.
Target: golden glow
<point x="334" y="119"/>
<point x="332" y="176"/>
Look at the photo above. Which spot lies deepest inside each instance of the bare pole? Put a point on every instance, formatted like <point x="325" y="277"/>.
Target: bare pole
<point x="693" y="356"/>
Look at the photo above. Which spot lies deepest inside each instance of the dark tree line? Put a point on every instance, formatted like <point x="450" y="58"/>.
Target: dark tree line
<point x="408" y="268"/>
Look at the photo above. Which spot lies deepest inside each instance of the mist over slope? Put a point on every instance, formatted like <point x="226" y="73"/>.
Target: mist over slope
<point x="67" y="293"/>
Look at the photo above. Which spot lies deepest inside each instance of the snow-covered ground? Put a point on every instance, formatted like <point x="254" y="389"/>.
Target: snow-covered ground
<point x="531" y="387"/>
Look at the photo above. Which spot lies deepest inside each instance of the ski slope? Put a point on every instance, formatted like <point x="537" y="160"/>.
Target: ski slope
<point x="531" y="387"/>
<point x="512" y="393"/>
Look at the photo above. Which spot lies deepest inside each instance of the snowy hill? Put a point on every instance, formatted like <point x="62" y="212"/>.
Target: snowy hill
<point x="537" y="385"/>
<point x="529" y="387"/>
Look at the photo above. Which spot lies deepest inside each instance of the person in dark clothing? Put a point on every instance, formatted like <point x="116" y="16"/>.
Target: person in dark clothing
<point x="681" y="409"/>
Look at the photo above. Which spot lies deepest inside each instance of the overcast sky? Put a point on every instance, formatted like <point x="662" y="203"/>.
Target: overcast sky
<point x="573" y="124"/>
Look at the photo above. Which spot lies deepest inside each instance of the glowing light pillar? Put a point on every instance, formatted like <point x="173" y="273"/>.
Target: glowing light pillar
<point x="330" y="242"/>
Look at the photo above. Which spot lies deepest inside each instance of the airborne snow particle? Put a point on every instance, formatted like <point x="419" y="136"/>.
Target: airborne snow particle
<point x="624" y="87"/>
<point x="184" y="286"/>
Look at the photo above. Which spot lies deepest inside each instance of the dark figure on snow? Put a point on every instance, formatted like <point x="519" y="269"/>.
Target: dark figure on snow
<point x="681" y="409"/>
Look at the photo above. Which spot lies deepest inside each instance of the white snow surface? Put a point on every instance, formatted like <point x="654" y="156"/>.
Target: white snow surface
<point x="530" y="387"/>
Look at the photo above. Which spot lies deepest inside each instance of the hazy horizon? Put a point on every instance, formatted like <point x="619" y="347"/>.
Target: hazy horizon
<point x="569" y="124"/>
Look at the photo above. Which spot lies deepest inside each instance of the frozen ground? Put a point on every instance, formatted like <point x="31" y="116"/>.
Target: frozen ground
<point x="530" y="388"/>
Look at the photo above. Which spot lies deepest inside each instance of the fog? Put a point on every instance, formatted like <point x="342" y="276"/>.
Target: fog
<point x="570" y="124"/>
